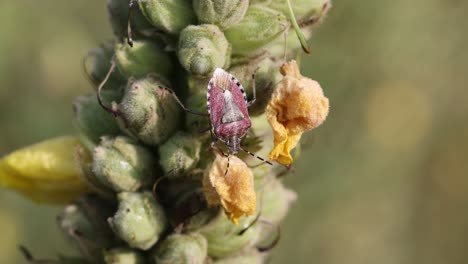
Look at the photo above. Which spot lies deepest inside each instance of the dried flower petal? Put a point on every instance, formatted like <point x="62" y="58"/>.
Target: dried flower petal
<point x="235" y="191"/>
<point x="44" y="172"/>
<point x="297" y="105"/>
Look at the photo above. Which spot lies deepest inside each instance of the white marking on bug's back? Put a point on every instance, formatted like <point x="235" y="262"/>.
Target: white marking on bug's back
<point x="221" y="79"/>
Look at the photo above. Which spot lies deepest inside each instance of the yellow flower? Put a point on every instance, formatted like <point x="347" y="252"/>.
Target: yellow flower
<point x="235" y="191"/>
<point x="297" y="105"/>
<point x="44" y="172"/>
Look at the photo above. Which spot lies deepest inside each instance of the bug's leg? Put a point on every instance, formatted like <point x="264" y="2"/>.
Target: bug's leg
<point x="182" y="105"/>
<point x="88" y="75"/>
<point x="129" y="26"/>
<point x="258" y="157"/>
<point x="250" y="225"/>
<point x="204" y="130"/>
<point x="254" y="91"/>
<point x="275" y="241"/>
<point x="101" y="85"/>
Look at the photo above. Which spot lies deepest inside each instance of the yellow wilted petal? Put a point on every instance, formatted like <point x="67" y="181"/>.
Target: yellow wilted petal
<point x="44" y="172"/>
<point x="235" y="191"/>
<point x="297" y="105"/>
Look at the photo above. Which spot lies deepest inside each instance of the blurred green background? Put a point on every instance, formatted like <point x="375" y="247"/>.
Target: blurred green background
<point x="384" y="180"/>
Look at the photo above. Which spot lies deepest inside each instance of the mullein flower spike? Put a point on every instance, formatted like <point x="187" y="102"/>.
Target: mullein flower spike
<point x="149" y="188"/>
<point x="297" y="105"/>
<point x="45" y="172"/>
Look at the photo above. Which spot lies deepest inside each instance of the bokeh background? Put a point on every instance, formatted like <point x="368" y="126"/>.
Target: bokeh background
<point x="384" y="180"/>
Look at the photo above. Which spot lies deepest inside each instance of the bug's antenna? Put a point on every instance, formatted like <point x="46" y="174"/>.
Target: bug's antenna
<point x="30" y="258"/>
<point x="89" y="76"/>
<point x="129" y="26"/>
<point x="227" y="166"/>
<point x="254" y="90"/>
<point x="108" y="109"/>
<point x="258" y="157"/>
<point x="181" y="104"/>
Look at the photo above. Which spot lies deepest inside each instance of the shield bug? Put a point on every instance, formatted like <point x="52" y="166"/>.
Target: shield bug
<point x="227" y="106"/>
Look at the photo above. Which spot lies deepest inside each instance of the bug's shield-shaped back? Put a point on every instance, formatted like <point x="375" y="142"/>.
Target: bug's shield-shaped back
<point x="227" y="105"/>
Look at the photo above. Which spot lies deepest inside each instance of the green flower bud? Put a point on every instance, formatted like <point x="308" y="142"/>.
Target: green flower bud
<point x="266" y="77"/>
<point x="170" y="16"/>
<point x="182" y="249"/>
<point x="202" y="49"/>
<point x="92" y="120"/>
<point x="101" y="63"/>
<point x="143" y="58"/>
<point x="179" y="154"/>
<point x="223" y="236"/>
<point x="223" y="13"/>
<point x="139" y="221"/>
<point x="123" y="256"/>
<point x="259" y="28"/>
<point x="276" y="200"/>
<point x="148" y="112"/>
<point x="250" y="256"/>
<point x="195" y="123"/>
<point x="84" y="223"/>
<point x="303" y="9"/>
<point x="123" y="164"/>
<point x="118" y="15"/>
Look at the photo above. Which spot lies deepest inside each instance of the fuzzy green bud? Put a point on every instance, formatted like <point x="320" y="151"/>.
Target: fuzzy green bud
<point x="139" y="221"/>
<point x="122" y="164"/>
<point x="196" y="123"/>
<point x="92" y="120"/>
<point x="118" y="15"/>
<point x="143" y="58"/>
<point x="182" y="249"/>
<point x="148" y="112"/>
<point x="303" y="9"/>
<point x="123" y="256"/>
<point x="202" y="49"/>
<point x="266" y="77"/>
<point x="179" y="154"/>
<point x="250" y="256"/>
<point x="260" y="26"/>
<point x="101" y="62"/>
<point x="224" y="237"/>
<point x="84" y="223"/>
<point x="276" y="200"/>
<point x="223" y="13"/>
<point x="171" y="16"/>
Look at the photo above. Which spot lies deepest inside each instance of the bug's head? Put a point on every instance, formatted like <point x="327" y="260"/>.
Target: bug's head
<point x="233" y="144"/>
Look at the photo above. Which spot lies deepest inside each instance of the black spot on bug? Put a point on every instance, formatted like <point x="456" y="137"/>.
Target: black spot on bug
<point x="233" y="78"/>
<point x="238" y="83"/>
